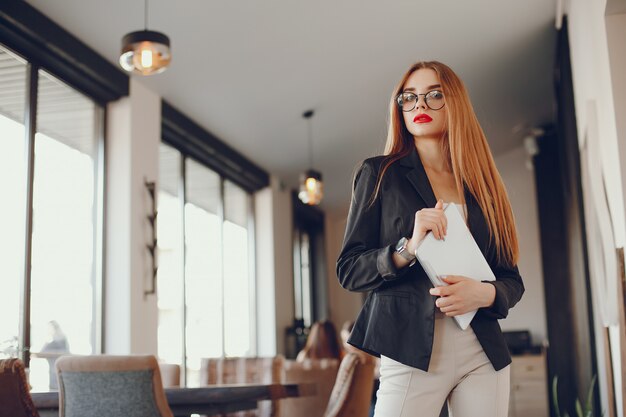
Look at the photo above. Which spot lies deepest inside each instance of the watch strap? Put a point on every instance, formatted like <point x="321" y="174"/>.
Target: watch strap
<point x="402" y="250"/>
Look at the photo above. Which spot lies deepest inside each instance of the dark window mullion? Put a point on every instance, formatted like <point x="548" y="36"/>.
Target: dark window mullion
<point x="182" y="196"/>
<point x="221" y="216"/>
<point x="30" y="128"/>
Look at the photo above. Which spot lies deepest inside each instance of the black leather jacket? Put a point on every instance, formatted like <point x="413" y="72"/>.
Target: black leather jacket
<point x="397" y="318"/>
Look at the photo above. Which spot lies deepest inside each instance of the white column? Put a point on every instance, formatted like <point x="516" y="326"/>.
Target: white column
<point x="274" y="267"/>
<point x="133" y="137"/>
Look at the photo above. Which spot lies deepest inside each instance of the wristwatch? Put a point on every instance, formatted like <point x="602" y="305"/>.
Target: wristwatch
<point x="402" y="250"/>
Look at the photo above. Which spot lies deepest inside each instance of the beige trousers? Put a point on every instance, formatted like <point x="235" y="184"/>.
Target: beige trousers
<point x="459" y="372"/>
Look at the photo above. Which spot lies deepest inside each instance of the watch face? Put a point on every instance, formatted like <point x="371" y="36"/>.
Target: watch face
<point x="401" y="244"/>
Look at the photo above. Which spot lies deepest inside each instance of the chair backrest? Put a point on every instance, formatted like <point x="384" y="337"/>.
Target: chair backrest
<point x="322" y="372"/>
<point x="170" y="375"/>
<point x="352" y="393"/>
<point x="241" y="370"/>
<point x="15" y="400"/>
<point x="110" y="386"/>
<point x="265" y="370"/>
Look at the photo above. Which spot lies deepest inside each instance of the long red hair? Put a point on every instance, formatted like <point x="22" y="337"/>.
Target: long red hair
<point x="467" y="154"/>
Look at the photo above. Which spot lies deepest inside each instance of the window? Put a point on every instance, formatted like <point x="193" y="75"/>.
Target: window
<point x="206" y="295"/>
<point x="60" y="311"/>
<point x="238" y="273"/>
<point x="310" y="282"/>
<point x="170" y="258"/>
<point x="303" y="280"/>
<point x="13" y="185"/>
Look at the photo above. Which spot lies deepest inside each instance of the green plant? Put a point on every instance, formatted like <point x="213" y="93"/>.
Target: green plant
<point x="587" y="411"/>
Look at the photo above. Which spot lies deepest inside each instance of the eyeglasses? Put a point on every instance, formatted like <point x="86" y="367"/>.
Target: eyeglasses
<point x="407" y="101"/>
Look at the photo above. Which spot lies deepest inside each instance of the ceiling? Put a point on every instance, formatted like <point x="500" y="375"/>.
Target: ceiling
<point x="247" y="70"/>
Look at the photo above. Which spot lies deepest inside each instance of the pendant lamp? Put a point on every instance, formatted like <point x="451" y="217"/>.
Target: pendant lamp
<point x="311" y="186"/>
<point x="145" y="52"/>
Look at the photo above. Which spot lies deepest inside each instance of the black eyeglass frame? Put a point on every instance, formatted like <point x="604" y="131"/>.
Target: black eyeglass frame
<point x="418" y="99"/>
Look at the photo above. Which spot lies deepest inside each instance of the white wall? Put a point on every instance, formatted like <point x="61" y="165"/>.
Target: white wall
<point x="591" y="73"/>
<point x="599" y="75"/>
<point x="530" y="312"/>
<point x="344" y="305"/>
<point x="133" y="137"/>
<point x="598" y="66"/>
<point x="274" y="263"/>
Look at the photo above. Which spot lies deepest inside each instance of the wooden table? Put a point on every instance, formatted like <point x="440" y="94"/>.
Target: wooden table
<point x="209" y="400"/>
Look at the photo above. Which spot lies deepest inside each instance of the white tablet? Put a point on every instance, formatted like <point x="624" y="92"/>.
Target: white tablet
<point x="458" y="254"/>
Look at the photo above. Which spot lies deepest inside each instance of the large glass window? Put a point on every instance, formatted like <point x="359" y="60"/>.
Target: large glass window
<point x="62" y="278"/>
<point x="56" y="232"/>
<point x="170" y="257"/>
<point x="13" y="188"/>
<point x="203" y="266"/>
<point x="238" y="281"/>
<point x="214" y="315"/>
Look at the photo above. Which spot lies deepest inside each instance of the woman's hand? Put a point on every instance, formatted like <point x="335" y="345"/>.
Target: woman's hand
<point x="463" y="295"/>
<point x="428" y="219"/>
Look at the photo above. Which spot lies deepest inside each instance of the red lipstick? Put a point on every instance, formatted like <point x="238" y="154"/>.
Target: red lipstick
<point x="422" y="118"/>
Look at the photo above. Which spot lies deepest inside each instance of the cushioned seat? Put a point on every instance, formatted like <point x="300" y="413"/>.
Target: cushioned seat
<point x="352" y="391"/>
<point x="15" y="400"/>
<point x="322" y="372"/>
<point x="110" y="386"/>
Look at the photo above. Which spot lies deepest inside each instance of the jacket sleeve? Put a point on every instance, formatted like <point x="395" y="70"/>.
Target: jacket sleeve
<point x="362" y="264"/>
<point x="509" y="290"/>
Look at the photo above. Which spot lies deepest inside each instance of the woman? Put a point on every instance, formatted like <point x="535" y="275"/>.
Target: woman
<point x="321" y="343"/>
<point x="436" y="153"/>
<point x="56" y="346"/>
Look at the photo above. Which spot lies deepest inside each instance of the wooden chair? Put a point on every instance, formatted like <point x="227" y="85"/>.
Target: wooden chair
<point x="352" y="392"/>
<point x="266" y="370"/>
<point x="322" y="372"/>
<point x="15" y="399"/>
<point x="110" y="386"/>
<point x="170" y="375"/>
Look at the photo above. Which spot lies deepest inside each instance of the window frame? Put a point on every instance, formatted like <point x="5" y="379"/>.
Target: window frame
<point x="30" y="131"/>
<point x="251" y="243"/>
<point x="43" y="44"/>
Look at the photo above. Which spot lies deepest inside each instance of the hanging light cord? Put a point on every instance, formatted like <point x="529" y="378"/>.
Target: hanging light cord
<point x="145" y="17"/>
<point x="310" y="145"/>
<point x="307" y="115"/>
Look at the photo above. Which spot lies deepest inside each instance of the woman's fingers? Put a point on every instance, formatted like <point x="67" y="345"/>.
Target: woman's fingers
<point x="436" y="213"/>
<point x="449" y="302"/>
<point x="453" y="309"/>
<point x="433" y="227"/>
<point x="444" y="224"/>
<point x="434" y="221"/>
<point x="439" y="213"/>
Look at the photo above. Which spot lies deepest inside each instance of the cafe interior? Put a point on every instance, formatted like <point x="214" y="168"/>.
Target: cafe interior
<point x="179" y="175"/>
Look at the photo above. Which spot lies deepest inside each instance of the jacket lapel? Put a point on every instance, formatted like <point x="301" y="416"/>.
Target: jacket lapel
<point x="418" y="178"/>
